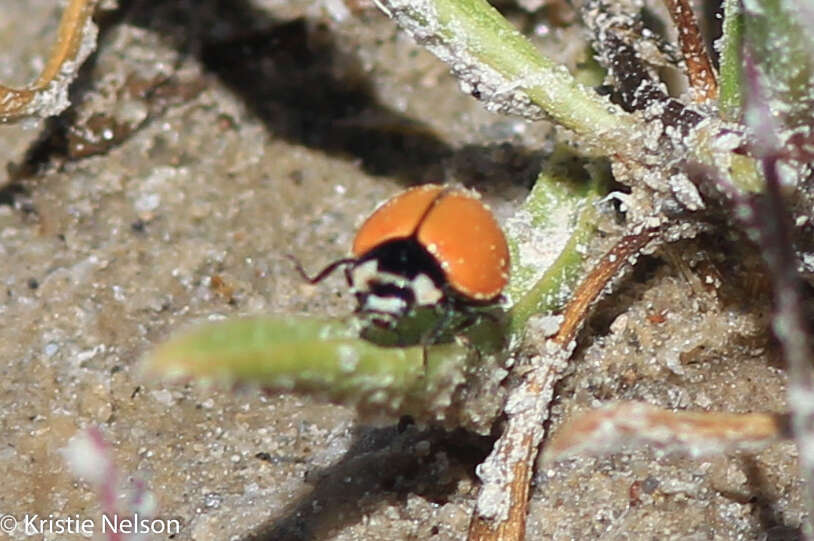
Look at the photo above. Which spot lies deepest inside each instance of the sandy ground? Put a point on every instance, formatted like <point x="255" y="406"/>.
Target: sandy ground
<point x="212" y="138"/>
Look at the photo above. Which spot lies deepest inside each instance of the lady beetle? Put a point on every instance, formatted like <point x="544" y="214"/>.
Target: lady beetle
<point x="429" y="245"/>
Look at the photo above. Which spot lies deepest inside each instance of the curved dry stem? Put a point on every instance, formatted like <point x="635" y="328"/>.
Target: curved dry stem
<point x="76" y="39"/>
<point x="501" y="510"/>
<point x="700" y="72"/>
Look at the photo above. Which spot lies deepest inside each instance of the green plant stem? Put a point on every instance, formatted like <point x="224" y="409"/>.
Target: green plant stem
<point x="547" y="294"/>
<point x="559" y="213"/>
<point x="729" y="79"/>
<point x="309" y="355"/>
<point x="507" y="71"/>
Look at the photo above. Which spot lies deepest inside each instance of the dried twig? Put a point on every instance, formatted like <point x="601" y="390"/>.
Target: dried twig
<point x="501" y="509"/>
<point x="702" y="77"/>
<point x="629" y="425"/>
<point x="76" y="39"/>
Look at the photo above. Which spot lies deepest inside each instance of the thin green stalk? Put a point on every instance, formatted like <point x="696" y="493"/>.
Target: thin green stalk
<point x="561" y="205"/>
<point x="730" y="61"/>
<point x="547" y="294"/>
<point x="505" y="70"/>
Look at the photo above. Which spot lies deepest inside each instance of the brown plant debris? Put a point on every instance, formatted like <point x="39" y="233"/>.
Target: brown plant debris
<point x="629" y="425"/>
<point x="700" y="73"/>
<point x="615" y="36"/>
<point x="48" y="95"/>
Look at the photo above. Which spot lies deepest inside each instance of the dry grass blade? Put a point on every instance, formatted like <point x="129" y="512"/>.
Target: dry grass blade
<point x="625" y="251"/>
<point x="629" y="425"/>
<point x="75" y="40"/>
<point x="702" y="76"/>
<point x="501" y="510"/>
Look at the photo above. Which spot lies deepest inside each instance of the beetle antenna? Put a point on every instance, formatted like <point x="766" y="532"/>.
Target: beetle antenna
<point x="321" y="275"/>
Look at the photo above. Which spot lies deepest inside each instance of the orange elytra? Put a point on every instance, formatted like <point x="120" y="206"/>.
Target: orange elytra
<point x="428" y="245"/>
